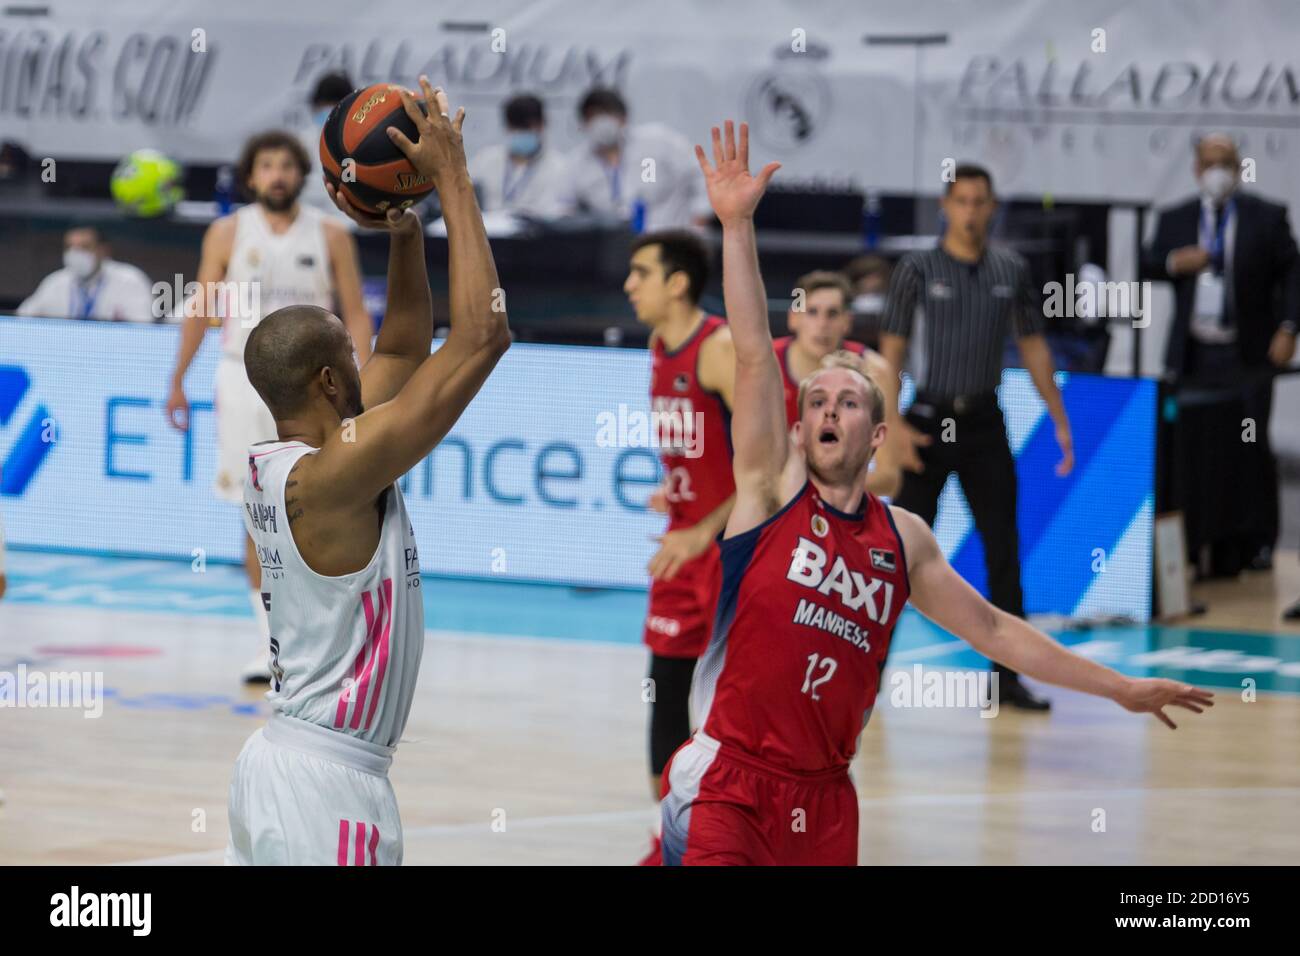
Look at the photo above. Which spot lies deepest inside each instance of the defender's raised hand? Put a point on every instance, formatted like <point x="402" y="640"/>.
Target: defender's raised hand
<point x="733" y="192"/>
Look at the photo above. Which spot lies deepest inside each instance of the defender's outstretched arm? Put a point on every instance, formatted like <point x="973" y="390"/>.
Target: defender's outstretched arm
<point x="758" y="426"/>
<point x="943" y="596"/>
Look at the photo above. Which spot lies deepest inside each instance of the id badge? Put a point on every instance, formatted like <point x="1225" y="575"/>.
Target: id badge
<point x="1208" y="304"/>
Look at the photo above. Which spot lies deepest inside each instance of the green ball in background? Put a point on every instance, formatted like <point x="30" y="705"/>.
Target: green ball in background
<point x="147" y="183"/>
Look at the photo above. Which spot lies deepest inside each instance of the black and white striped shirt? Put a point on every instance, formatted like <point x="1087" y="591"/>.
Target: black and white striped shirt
<point x="967" y="310"/>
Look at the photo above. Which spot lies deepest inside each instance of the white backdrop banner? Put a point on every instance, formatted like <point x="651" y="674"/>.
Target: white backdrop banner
<point x="1075" y="101"/>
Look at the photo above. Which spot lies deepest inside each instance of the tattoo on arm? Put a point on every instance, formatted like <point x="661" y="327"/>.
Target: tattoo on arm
<point x="289" y="502"/>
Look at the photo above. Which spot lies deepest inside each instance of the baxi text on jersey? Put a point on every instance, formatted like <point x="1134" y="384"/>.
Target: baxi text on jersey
<point x="856" y="591"/>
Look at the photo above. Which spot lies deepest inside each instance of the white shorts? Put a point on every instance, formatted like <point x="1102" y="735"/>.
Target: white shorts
<point x="242" y="420"/>
<point x="303" y="795"/>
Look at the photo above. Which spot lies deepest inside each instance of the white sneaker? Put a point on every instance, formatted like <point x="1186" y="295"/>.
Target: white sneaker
<point x="258" y="670"/>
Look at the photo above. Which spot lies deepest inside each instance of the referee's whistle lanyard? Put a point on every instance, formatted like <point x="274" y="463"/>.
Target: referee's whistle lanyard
<point x="1213" y="237"/>
<point x="87" y="296"/>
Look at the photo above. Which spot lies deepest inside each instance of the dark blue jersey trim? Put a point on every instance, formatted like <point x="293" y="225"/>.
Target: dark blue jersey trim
<point x="902" y="551"/>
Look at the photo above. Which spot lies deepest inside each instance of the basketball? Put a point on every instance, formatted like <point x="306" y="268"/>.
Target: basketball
<point x="378" y="176"/>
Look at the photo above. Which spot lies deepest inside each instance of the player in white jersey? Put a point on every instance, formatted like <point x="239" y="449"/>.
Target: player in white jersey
<point x="337" y="551"/>
<point x="269" y="254"/>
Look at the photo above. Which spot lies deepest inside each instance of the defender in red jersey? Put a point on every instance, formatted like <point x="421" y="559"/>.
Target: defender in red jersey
<point x="815" y="573"/>
<point x="692" y="370"/>
<point x="819" y="318"/>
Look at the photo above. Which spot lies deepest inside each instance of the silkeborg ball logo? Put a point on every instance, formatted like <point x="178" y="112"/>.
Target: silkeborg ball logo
<point x="33" y="443"/>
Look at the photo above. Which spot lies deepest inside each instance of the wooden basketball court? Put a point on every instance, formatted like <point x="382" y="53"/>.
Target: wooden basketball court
<point x="530" y="750"/>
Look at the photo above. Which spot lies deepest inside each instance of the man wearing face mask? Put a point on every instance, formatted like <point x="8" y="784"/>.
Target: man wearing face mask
<point x="1235" y="270"/>
<point x="90" y="285"/>
<point x="328" y="92"/>
<point x="621" y="169"/>
<point x="521" y="175"/>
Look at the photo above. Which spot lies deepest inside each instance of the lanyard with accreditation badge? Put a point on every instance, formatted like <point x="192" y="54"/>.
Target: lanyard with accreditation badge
<point x="1216" y="235"/>
<point x="1210" y="318"/>
<point x="88" y="297"/>
<point x="510" y="190"/>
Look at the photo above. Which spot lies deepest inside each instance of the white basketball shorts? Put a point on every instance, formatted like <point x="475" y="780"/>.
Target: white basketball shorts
<point x="303" y="795"/>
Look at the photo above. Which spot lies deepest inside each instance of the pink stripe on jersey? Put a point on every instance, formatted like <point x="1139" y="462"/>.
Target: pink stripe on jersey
<point x="386" y="592"/>
<point x="343" y="843"/>
<point x="374" y="843"/>
<point x="361" y="845"/>
<point x="349" y="693"/>
<point x="378" y="647"/>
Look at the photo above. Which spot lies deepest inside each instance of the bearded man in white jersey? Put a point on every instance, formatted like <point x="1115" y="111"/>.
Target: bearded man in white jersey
<point x="272" y="253"/>
<point x="340" y="569"/>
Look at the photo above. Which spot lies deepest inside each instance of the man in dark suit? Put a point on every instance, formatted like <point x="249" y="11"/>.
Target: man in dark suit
<point x="1236" y="276"/>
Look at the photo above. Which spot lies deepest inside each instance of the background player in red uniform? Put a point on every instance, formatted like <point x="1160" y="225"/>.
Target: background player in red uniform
<point x="692" y="368"/>
<point x="819" y="319"/>
<point x="815" y="572"/>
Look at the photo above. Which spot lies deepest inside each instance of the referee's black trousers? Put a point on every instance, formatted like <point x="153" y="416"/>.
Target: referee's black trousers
<point x="977" y="450"/>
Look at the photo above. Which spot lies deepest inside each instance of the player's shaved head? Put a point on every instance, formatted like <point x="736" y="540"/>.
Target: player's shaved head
<point x="288" y="349"/>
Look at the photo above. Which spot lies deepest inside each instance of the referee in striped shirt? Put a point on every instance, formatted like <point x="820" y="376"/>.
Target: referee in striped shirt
<point x="968" y="296"/>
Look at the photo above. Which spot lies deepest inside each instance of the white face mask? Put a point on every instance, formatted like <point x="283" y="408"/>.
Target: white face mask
<point x="604" y="131"/>
<point x="1218" y="183"/>
<point x="80" y="262"/>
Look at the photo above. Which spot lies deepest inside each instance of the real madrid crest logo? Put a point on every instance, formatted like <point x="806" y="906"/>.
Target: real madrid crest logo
<point x="819" y="526"/>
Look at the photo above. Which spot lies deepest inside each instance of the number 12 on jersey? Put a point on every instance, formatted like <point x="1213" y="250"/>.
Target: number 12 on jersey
<point x="815" y="663"/>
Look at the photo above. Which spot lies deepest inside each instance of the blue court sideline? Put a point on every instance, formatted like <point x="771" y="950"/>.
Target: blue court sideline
<point x="1222" y="659"/>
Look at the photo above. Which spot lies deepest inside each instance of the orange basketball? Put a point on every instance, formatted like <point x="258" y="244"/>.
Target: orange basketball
<point x="360" y="160"/>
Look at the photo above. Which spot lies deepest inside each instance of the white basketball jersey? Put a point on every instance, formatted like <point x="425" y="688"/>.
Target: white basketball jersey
<point x="273" y="271"/>
<point x="345" y="651"/>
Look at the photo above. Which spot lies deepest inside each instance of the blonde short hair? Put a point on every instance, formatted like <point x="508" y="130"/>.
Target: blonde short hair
<point x="842" y="358"/>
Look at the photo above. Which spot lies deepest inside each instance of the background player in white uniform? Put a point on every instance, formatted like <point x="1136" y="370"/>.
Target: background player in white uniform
<point x="272" y="253"/>
<point x="338" y="555"/>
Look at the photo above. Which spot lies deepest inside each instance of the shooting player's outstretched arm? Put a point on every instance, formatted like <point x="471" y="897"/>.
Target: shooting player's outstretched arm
<point x="758" y="428"/>
<point x="366" y="456"/>
<point x="938" y="592"/>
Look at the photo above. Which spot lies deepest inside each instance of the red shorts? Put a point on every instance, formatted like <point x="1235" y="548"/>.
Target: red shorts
<point x="679" y="620"/>
<point x="727" y="809"/>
